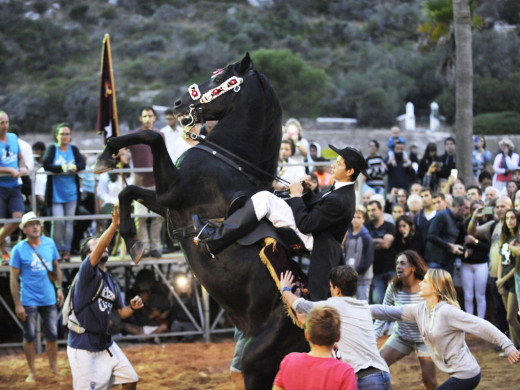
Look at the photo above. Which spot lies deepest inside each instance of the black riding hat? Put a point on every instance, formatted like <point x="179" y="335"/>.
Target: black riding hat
<point x="353" y="158"/>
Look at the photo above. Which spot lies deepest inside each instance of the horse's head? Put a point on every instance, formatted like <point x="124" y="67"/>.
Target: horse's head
<point x="247" y="109"/>
<point x="211" y="100"/>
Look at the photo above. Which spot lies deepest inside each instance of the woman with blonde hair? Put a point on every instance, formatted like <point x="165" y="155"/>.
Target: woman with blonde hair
<point x="444" y="325"/>
<point x="293" y="130"/>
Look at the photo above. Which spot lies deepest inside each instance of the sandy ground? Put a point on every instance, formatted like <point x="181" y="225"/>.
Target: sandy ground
<point x="205" y="366"/>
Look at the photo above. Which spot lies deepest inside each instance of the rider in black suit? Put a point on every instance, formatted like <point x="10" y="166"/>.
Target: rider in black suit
<point x="327" y="216"/>
<point x="324" y="216"/>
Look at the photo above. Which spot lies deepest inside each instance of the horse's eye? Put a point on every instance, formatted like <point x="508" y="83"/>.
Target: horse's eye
<point x="217" y="80"/>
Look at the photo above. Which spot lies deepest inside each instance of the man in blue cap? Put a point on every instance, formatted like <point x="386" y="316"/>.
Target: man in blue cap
<point x="319" y="220"/>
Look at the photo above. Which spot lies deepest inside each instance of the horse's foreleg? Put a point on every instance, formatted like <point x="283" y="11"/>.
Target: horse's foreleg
<point x="106" y="160"/>
<point x="127" y="228"/>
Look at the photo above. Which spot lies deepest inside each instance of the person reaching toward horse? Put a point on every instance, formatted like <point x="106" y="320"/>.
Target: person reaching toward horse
<point x="96" y="361"/>
<point x="444" y="325"/>
<point x="319" y="221"/>
<point x="357" y="344"/>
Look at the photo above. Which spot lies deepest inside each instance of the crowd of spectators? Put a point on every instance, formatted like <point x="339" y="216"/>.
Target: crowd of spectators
<point x="467" y="229"/>
<point x="407" y="202"/>
<point x="71" y="189"/>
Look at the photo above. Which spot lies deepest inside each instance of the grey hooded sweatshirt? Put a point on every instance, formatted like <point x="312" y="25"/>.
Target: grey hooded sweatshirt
<point x="444" y="330"/>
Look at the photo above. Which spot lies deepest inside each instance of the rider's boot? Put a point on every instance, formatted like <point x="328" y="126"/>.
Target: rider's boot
<point x="215" y="239"/>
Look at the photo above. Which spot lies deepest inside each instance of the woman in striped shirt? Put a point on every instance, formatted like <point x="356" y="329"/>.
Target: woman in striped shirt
<point x="406" y="338"/>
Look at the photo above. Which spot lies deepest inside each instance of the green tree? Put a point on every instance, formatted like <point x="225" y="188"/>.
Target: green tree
<point x="438" y="30"/>
<point x="374" y="109"/>
<point x="300" y="87"/>
<point x="450" y="21"/>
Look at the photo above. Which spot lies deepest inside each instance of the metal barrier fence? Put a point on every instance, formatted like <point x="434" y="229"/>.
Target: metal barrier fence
<point x="204" y="327"/>
<point x="200" y="320"/>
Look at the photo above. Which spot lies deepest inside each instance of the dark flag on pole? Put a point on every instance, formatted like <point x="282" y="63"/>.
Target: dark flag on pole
<point x="107" y="123"/>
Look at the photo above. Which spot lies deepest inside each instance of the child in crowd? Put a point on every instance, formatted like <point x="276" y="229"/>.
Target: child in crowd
<point x="317" y="369"/>
<point x="394" y="138"/>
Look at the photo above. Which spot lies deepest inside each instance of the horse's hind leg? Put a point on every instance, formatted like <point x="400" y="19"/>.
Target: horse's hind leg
<point x="127" y="225"/>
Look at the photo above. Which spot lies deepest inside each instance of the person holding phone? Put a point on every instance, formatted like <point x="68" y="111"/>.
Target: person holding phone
<point x="442" y="245"/>
<point x="429" y="167"/>
<point x="474" y="270"/>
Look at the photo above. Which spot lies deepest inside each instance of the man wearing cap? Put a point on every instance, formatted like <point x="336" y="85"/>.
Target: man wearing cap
<point x="33" y="292"/>
<point x="319" y="220"/>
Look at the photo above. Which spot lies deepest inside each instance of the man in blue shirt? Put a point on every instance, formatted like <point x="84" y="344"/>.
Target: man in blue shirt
<point x="31" y="259"/>
<point x="96" y="361"/>
<point x="12" y="166"/>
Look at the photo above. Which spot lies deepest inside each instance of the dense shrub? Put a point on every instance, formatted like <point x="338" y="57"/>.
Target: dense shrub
<point x="507" y="122"/>
<point x="300" y="87"/>
<point x="375" y="109"/>
<point x="79" y="11"/>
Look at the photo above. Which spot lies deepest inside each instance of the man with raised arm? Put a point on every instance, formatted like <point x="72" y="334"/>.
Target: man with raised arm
<point x="96" y="361"/>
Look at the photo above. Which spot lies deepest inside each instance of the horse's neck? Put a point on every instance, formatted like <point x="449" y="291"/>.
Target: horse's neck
<point x="246" y="137"/>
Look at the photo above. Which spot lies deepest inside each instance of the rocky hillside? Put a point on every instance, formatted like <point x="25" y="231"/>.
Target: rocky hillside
<point x="325" y="58"/>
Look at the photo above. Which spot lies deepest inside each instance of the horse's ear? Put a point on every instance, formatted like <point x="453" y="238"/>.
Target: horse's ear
<point x="246" y="64"/>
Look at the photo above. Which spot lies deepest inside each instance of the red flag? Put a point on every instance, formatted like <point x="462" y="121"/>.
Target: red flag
<point x="107" y="123"/>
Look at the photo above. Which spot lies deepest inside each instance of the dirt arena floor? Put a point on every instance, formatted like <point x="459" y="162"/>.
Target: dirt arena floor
<point x="188" y="366"/>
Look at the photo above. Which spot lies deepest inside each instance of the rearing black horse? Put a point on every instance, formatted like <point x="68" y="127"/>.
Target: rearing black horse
<point x="249" y="125"/>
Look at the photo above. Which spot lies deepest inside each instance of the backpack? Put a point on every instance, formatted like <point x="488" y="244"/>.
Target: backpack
<point x="70" y="319"/>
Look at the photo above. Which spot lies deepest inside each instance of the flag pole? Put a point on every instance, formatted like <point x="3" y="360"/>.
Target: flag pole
<point x="108" y="53"/>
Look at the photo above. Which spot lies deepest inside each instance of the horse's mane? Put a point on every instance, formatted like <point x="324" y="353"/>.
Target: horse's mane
<point x="273" y="127"/>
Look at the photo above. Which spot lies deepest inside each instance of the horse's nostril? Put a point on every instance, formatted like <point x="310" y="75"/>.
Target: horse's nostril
<point x="177" y="103"/>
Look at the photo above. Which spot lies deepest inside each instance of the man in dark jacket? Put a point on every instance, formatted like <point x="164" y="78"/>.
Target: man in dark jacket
<point x="400" y="171"/>
<point x="423" y="218"/>
<point x="319" y="220"/>
<point x="444" y="233"/>
<point x="448" y="159"/>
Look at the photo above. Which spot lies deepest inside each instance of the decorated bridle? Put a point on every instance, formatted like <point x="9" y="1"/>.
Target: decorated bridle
<point x="196" y="110"/>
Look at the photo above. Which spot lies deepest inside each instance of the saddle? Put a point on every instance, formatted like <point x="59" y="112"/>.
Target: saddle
<point x="280" y="245"/>
<point x="284" y="236"/>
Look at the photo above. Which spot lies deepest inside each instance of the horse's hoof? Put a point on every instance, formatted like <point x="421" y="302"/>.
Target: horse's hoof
<point x="105" y="162"/>
<point x="137" y="252"/>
